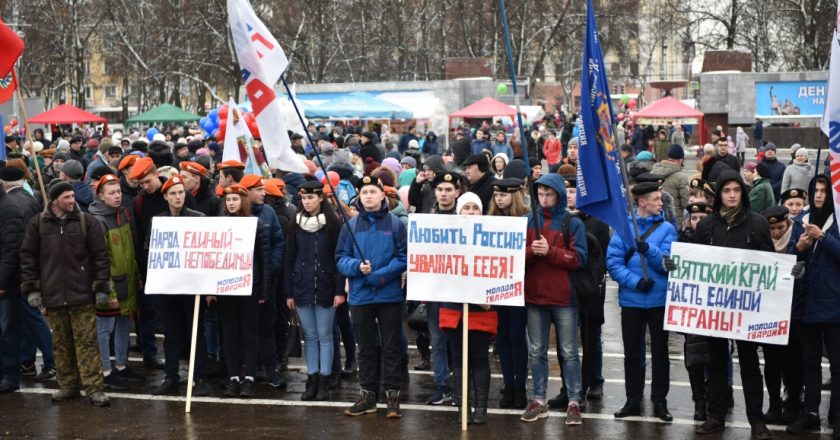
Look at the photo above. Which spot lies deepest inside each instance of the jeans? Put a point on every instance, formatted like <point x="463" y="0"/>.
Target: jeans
<point x="10" y="340"/>
<point x="317" y="325"/>
<point x="813" y="336"/>
<point x="378" y="322"/>
<point x="512" y="345"/>
<point x="36" y="334"/>
<point x="440" y="358"/>
<point x="750" y="378"/>
<point x="119" y="326"/>
<point x="566" y="323"/>
<point x="633" y="321"/>
<point x="147" y="310"/>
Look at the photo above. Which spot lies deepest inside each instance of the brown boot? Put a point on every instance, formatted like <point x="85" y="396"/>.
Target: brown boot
<point x="393" y="404"/>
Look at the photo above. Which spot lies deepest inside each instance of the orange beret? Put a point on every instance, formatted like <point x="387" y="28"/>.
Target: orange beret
<point x="280" y="183"/>
<point x="128" y="161"/>
<point x="273" y="189"/>
<point x="142" y="168"/>
<point x="231" y="164"/>
<point x="103" y="180"/>
<point x="251" y="181"/>
<point x="194" y="168"/>
<point x="174" y="180"/>
<point x="236" y="189"/>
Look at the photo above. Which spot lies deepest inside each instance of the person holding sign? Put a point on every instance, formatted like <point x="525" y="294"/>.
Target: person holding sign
<point x="641" y="296"/>
<point x="375" y="294"/>
<point x="511" y="342"/>
<point x="177" y="310"/>
<point x="312" y="284"/>
<point x="817" y="245"/>
<point x="549" y="298"/>
<point x="734" y="225"/>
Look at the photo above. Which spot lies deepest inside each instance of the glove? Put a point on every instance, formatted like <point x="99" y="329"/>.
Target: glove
<point x="644" y="285"/>
<point x="798" y="270"/>
<point x="101" y="298"/>
<point x="668" y="264"/>
<point x="642" y="246"/>
<point x="34" y="300"/>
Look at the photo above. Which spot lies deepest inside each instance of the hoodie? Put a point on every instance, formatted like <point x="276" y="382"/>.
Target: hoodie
<point x="750" y="230"/>
<point x="431" y="146"/>
<point x="420" y="195"/>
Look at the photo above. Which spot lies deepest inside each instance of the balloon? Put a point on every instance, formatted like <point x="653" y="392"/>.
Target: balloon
<point x="7" y="129"/>
<point x="13" y="122"/>
<point x="624" y="99"/>
<point x="150" y="133"/>
<point x="223" y="112"/>
<point x="203" y="122"/>
<point x="220" y="137"/>
<point x="214" y="116"/>
<point x="619" y="117"/>
<point x="502" y="88"/>
<point x="334" y="178"/>
<point x="632" y="104"/>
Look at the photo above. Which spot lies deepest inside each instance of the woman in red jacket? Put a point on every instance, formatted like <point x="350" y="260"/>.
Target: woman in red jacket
<point x="552" y="149"/>
<point x="482" y="327"/>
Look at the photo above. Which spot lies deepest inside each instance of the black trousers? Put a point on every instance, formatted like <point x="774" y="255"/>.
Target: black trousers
<point x="281" y="327"/>
<point x="378" y="334"/>
<point x="813" y="336"/>
<point x="590" y="337"/>
<point x="784" y="363"/>
<point x="750" y="379"/>
<point x="633" y="323"/>
<point x="238" y="317"/>
<point x="177" y="311"/>
<point x="479" y="360"/>
<point x="267" y="318"/>
<point x="696" y="378"/>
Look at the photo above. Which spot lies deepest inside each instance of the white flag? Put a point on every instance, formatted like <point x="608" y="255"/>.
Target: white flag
<point x="830" y="123"/>
<point x="262" y="62"/>
<point x="239" y="144"/>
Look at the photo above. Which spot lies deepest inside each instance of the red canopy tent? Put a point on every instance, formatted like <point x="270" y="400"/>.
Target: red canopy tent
<point x="484" y="108"/>
<point x="66" y="114"/>
<point x="670" y="109"/>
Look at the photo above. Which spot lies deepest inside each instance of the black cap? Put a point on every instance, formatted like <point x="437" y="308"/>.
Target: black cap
<point x="58" y="188"/>
<point x="115" y="150"/>
<point x="296" y="136"/>
<point x="794" y="193"/>
<point x="776" y="214"/>
<point x="11" y="174"/>
<point x="516" y="169"/>
<point x="533" y="161"/>
<point x="76" y="139"/>
<point x="369" y="180"/>
<point x="650" y="178"/>
<point x="702" y="185"/>
<point x="311" y="187"/>
<point x="571" y="180"/>
<point x="477" y="159"/>
<point x="509" y="185"/>
<point x="696" y="207"/>
<point x="644" y="188"/>
<point x="447" y="177"/>
<point x="676" y="152"/>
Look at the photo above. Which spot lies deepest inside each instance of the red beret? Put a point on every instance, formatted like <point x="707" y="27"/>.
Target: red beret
<point x="251" y="181"/>
<point x="128" y="161"/>
<point x="236" y="189"/>
<point x="231" y="164"/>
<point x="194" y="168"/>
<point x="142" y="168"/>
<point x="174" y="180"/>
<point x="103" y="180"/>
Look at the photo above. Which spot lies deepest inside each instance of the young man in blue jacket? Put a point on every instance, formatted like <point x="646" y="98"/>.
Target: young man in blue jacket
<point x="642" y="299"/>
<point x="375" y="293"/>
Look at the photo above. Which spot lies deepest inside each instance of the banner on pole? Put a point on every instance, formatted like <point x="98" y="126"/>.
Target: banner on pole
<point x="830" y="123"/>
<point x="201" y="256"/>
<point x="466" y="259"/>
<point x="730" y="293"/>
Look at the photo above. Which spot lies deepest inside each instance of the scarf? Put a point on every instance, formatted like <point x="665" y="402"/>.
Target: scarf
<point x="311" y="224"/>
<point x="730" y="215"/>
<point x="782" y="243"/>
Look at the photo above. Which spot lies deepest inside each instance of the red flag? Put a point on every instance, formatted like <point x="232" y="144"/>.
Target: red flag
<point x="8" y="84"/>
<point x="11" y="46"/>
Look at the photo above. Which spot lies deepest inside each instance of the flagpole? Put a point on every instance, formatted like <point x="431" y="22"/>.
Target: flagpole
<point x="28" y="135"/>
<point x="535" y="204"/>
<point x="321" y="164"/>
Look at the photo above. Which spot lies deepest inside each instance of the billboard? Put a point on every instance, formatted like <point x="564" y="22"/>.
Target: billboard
<point x="790" y="99"/>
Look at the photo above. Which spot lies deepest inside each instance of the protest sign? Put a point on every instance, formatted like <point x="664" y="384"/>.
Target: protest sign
<point x="730" y="293"/>
<point x="201" y="255"/>
<point x="466" y="259"/>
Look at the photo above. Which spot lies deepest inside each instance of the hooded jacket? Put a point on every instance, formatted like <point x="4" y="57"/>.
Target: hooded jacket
<point x="420" y="194"/>
<point x="675" y="184"/>
<point x="797" y="175"/>
<point x="777" y="173"/>
<point x="814" y="299"/>
<point x="501" y="147"/>
<point x="125" y="275"/>
<point x="749" y="231"/>
<point x="547" y="281"/>
<point x="718" y="164"/>
<point x="386" y="252"/>
<point x="83" y="194"/>
<point x="431" y="146"/>
<point x="761" y="195"/>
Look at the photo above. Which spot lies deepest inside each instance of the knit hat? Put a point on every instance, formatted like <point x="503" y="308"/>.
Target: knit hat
<point x="770" y="146"/>
<point x="393" y="165"/>
<point x="763" y="170"/>
<point x="644" y="155"/>
<point x="55" y="190"/>
<point x="410" y="161"/>
<point x="468" y="197"/>
<point x="60" y="155"/>
<point x="676" y="152"/>
<point x="750" y="166"/>
<point x="370" y="165"/>
<point x="516" y="169"/>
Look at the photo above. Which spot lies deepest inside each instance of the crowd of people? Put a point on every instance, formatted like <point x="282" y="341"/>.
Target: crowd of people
<point x="331" y="250"/>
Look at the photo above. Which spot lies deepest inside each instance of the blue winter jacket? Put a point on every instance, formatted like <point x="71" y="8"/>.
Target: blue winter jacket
<point x="83" y="193"/>
<point x="386" y="252"/>
<point x="267" y="215"/>
<point x="478" y="146"/>
<point x="503" y="147"/>
<point x="628" y="275"/>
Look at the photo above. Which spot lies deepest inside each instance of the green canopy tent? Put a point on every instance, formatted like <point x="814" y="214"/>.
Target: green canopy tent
<point x="163" y="113"/>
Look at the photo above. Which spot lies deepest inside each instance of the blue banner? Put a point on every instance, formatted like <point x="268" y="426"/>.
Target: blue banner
<point x="600" y="191"/>
<point x="796" y="98"/>
<point x="2" y="142"/>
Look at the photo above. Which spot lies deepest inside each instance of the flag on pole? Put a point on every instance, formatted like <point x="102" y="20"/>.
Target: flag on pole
<point x="11" y="46"/>
<point x="262" y="62"/>
<point x="830" y="123"/>
<point x="237" y="134"/>
<point x="8" y="84"/>
<point x="2" y="142"/>
<point x="600" y="191"/>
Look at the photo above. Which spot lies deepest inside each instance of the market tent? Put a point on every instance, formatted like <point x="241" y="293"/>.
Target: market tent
<point x="357" y="105"/>
<point x="163" y="113"/>
<point x="66" y="114"/>
<point x="484" y="108"/>
<point x="668" y="109"/>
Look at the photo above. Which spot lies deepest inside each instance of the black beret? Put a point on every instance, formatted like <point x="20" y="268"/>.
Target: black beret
<point x="509" y="185"/>
<point x="650" y="178"/>
<point x="571" y="180"/>
<point x="115" y="150"/>
<point x="11" y="174"/>
<point x="447" y="177"/>
<point x="296" y="136"/>
<point x="477" y="159"/>
<point x="697" y="207"/>
<point x="311" y="187"/>
<point x="776" y="214"/>
<point x="702" y="185"/>
<point x="368" y="180"/>
<point x="644" y="188"/>
<point x="794" y="193"/>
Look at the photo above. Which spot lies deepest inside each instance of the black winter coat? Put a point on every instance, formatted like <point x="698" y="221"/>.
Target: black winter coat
<point x="206" y="200"/>
<point x="749" y="231"/>
<point x="484" y="189"/>
<point x="262" y="263"/>
<point x="11" y="235"/>
<point x="311" y="276"/>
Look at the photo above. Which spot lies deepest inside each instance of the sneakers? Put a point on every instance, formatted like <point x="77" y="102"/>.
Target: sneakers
<point x="46" y="374"/>
<point x="393" y="404"/>
<point x="807" y="422"/>
<point x="115" y="382"/>
<point x="424" y="364"/>
<point x="200" y="388"/>
<point x="277" y="381"/>
<point x="440" y="396"/>
<point x="129" y="375"/>
<point x="247" y="390"/>
<point x="99" y="399"/>
<point x="365" y="404"/>
<point x="66" y="394"/>
<point x="573" y="414"/>
<point x="28" y="370"/>
<point x="233" y="389"/>
<point x="534" y="412"/>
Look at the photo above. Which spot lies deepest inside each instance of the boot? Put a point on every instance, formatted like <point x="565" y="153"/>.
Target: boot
<point x="98" y="398"/>
<point x="731" y="403"/>
<point x="507" y="397"/>
<point x="457" y="376"/>
<point x="425" y="364"/>
<point x="404" y="370"/>
<point x="773" y="415"/>
<point x="520" y="398"/>
<point x="700" y="410"/>
<point x="481" y="388"/>
<point x="311" y="388"/>
<point x="334" y="381"/>
<point x="323" y="389"/>
<point x="393" y="404"/>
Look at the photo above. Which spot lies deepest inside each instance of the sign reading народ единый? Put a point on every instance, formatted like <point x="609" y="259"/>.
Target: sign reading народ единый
<point x="201" y="255"/>
<point x="730" y="293"/>
<point x="466" y="259"/>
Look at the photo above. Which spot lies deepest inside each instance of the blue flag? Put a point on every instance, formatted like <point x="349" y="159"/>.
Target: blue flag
<point x="2" y="142"/>
<point x="600" y="191"/>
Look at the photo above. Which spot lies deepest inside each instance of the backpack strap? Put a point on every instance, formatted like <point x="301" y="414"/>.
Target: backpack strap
<point x="395" y="229"/>
<point x="83" y="225"/>
<point x="644" y="237"/>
